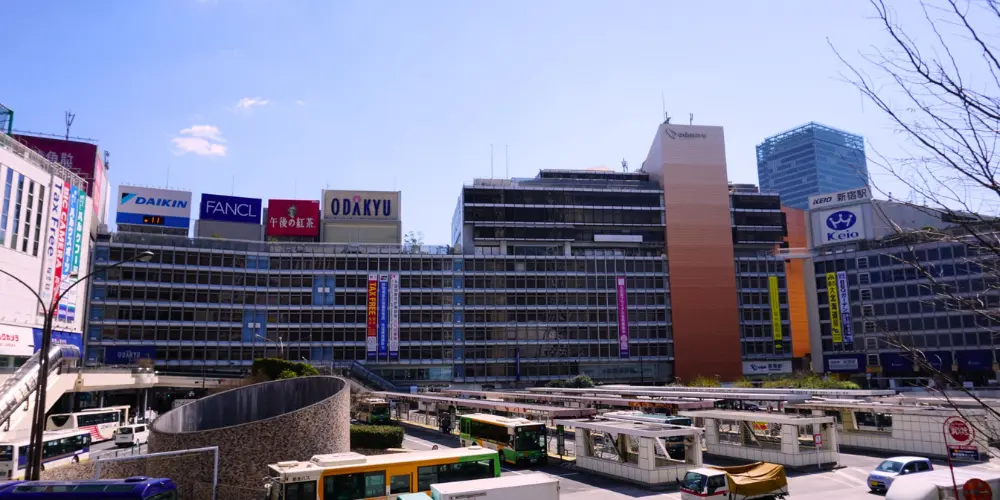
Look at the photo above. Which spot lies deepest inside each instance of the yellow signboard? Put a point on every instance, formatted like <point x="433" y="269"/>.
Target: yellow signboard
<point x="834" y="299"/>
<point x="772" y="288"/>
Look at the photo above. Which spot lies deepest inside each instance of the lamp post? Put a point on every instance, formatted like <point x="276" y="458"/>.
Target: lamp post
<point x="34" y="466"/>
<point x="279" y="343"/>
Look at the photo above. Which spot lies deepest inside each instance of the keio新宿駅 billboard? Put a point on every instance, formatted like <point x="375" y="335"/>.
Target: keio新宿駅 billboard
<point x="144" y="206"/>
<point x="360" y="205"/>
<point x="292" y="218"/>
<point x="229" y="208"/>
<point x="839" y="225"/>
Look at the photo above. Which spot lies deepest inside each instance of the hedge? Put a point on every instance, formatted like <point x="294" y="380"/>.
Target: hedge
<point x="274" y="368"/>
<point x="376" y="437"/>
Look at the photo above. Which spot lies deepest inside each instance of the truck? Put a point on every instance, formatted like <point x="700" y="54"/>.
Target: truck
<point x="536" y="486"/>
<point x="758" y="480"/>
<point x="937" y="485"/>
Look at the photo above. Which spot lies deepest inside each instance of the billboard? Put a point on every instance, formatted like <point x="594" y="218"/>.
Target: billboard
<point x="153" y="207"/>
<point x="371" y="334"/>
<point x="361" y="205"/>
<point x="16" y="341"/>
<point x="622" y="317"/>
<point x="128" y="355"/>
<point x="772" y="292"/>
<point x="844" y="301"/>
<point x="292" y="218"/>
<point x="59" y="262"/>
<point x="383" y="316"/>
<point x="81" y="203"/>
<point x="848" y="197"/>
<point x="49" y="283"/>
<point x="394" y="316"/>
<point x="98" y="191"/>
<point x="834" y="301"/>
<point x="67" y="306"/>
<point x="74" y="155"/>
<point x="58" y="338"/>
<point x="229" y="208"/>
<point x="839" y="225"/>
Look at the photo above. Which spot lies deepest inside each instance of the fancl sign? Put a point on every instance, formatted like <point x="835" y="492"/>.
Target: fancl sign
<point x="230" y="208"/>
<point x="361" y="205"/>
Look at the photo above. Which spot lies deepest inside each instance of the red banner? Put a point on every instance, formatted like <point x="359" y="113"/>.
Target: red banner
<point x="80" y="157"/>
<point x="292" y="218"/>
<point x="371" y="340"/>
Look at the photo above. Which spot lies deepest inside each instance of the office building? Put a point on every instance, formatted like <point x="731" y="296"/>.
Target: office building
<point x="810" y="160"/>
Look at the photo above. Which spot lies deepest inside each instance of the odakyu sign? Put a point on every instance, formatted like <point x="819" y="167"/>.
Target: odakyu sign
<point x="230" y="208"/>
<point x="361" y="205"/>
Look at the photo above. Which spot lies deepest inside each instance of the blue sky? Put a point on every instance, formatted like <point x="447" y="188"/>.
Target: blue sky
<point x="288" y="97"/>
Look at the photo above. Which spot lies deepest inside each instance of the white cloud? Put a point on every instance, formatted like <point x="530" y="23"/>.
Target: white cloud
<point x="202" y="140"/>
<point x="248" y="103"/>
<point x="300" y="102"/>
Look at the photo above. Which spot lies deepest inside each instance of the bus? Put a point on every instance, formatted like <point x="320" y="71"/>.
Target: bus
<point x="133" y="488"/>
<point x="352" y="476"/>
<point x="517" y="440"/>
<point x="58" y="448"/>
<point x="101" y="422"/>
<point x="374" y="411"/>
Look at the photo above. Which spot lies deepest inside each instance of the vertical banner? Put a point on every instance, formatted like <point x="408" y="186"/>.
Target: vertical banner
<point x="81" y="204"/>
<point x="51" y="243"/>
<point x="622" y="317"/>
<point x="383" y="316"/>
<point x="834" y="300"/>
<point x="773" y="297"/>
<point x="68" y="303"/>
<point x="60" y="257"/>
<point x="371" y="340"/>
<point x="517" y="364"/>
<point x="844" y="301"/>
<point x="394" y="316"/>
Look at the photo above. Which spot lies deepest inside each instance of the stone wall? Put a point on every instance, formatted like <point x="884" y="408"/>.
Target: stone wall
<point x="191" y="471"/>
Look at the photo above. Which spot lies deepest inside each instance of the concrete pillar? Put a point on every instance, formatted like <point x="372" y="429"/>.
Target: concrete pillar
<point x="789" y="439"/>
<point x="692" y="453"/>
<point x="581" y="438"/>
<point x="647" y="457"/>
<point x="711" y="431"/>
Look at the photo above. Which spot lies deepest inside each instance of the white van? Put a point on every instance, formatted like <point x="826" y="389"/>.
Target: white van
<point x="132" y="435"/>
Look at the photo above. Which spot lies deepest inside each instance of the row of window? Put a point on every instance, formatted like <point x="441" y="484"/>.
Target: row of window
<point x="611" y="216"/>
<point x="608" y="199"/>
<point x="901" y="258"/>
<point x="562" y="233"/>
<point x="21" y="196"/>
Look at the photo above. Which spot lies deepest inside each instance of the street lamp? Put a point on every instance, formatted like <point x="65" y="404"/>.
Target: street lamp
<point x="34" y="466"/>
<point x="279" y="343"/>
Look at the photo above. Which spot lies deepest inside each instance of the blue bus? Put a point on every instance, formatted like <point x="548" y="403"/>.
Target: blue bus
<point x="133" y="488"/>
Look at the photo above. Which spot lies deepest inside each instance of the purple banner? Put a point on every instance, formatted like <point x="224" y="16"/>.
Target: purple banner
<point x="622" y="318"/>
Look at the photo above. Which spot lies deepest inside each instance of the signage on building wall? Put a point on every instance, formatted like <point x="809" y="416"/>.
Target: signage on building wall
<point x="16" y="341"/>
<point x="840" y="225"/>
<point x="61" y="270"/>
<point x="833" y="300"/>
<point x="58" y="338"/>
<point x="766" y="367"/>
<point x="66" y="312"/>
<point x="844" y="301"/>
<point x="622" y="295"/>
<point x="371" y="334"/>
<point x="848" y="197"/>
<point x="229" y="208"/>
<point x="360" y="205"/>
<point x="383" y="316"/>
<point x="128" y="355"/>
<point x="50" y="243"/>
<point x="292" y="218"/>
<point x="774" y="298"/>
<point x="144" y="206"/>
<point x="394" y="316"/>
<point x="81" y="213"/>
<point x="851" y="364"/>
<point x="674" y="134"/>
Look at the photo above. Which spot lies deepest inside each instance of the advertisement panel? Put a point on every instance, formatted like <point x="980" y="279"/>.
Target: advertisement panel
<point x="81" y="213"/>
<point x="360" y="205"/>
<point x="16" y="341"/>
<point x="67" y="306"/>
<point x="622" y="293"/>
<point x="383" y="316"/>
<point x="49" y="283"/>
<point x="98" y="191"/>
<point x="774" y="298"/>
<point x="58" y="284"/>
<point x="834" y="299"/>
<point x="846" y="363"/>
<point x="229" y="208"/>
<point x="74" y="155"/>
<point x="292" y="218"/>
<point x="58" y="338"/>
<point x="840" y="198"/>
<point x="128" y="355"/>
<point x="839" y="225"/>
<point x="844" y="301"/>
<point x="153" y="207"/>
<point x="766" y="367"/>
<point x="371" y="336"/>
<point x="394" y="316"/>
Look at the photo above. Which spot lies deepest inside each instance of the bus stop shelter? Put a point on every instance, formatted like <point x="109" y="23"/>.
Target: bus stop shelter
<point x="427" y="403"/>
<point x="600" y="402"/>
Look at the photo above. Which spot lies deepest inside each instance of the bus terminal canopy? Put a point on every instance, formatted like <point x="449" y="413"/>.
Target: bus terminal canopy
<point x="607" y="399"/>
<point x="818" y="393"/>
<point x="549" y="412"/>
<point x="637" y="429"/>
<point x="750" y="395"/>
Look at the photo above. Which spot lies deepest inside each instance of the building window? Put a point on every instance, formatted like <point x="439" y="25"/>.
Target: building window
<point x="17" y="211"/>
<point x="38" y="220"/>
<point x="27" y="216"/>
<point x="6" y="205"/>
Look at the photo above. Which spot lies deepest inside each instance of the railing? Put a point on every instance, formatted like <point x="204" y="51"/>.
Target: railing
<point x="142" y="449"/>
<point x="279" y="247"/>
<point x="363" y="374"/>
<point x="9" y="143"/>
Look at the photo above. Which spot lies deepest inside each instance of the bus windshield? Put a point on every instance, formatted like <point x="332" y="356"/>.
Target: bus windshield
<point x="6" y="453"/>
<point x="530" y="438"/>
<point x="380" y="409"/>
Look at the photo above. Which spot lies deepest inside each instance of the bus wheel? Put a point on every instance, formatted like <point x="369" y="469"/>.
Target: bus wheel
<point x="76" y="459"/>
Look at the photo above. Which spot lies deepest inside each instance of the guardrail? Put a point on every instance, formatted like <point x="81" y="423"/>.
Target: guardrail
<point x="132" y="451"/>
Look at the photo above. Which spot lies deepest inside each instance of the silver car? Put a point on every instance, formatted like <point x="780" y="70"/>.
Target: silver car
<point x="881" y="478"/>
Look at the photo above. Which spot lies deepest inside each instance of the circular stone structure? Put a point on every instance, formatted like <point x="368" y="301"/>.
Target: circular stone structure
<point x="261" y="424"/>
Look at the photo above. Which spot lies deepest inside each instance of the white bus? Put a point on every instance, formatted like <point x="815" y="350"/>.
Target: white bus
<point x="101" y="422"/>
<point x="58" y="448"/>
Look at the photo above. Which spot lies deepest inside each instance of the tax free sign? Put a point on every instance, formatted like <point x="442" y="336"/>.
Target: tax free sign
<point x="230" y="208"/>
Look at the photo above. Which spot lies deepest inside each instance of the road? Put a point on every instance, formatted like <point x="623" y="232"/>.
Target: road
<point x="845" y="483"/>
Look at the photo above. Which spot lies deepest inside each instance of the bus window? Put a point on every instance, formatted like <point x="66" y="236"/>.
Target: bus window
<point x="60" y="420"/>
<point x="352" y="486"/>
<point x="6" y="453"/>
<point x="301" y="491"/>
<point x="530" y="438"/>
<point x="399" y="484"/>
<point x="447" y="473"/>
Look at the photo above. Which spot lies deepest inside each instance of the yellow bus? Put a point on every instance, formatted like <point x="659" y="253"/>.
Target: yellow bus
<point x="352" y="476"/>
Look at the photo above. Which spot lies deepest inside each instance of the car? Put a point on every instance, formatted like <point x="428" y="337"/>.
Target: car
<point x="132" y="435"/>
<point x="882" y="476"/>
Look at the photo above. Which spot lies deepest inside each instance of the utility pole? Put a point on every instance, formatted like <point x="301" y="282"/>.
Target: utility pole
<point x="70" y="116"/>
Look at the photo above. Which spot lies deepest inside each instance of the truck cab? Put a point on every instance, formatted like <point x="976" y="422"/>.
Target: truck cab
<point x="758" y="480"/>
<point x="704" y="483"/>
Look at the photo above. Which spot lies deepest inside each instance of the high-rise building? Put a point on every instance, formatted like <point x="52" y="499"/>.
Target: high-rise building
<point x="810" y="160"/>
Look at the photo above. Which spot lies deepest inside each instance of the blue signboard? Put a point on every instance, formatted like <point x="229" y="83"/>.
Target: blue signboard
<point x="974" y="361"/>
<point x="128" y="355"/>
<point x="383" y="316"/>
<point x="230" y="208"/>
<point x="58" y="338"/>
<point x="896" y="361"/>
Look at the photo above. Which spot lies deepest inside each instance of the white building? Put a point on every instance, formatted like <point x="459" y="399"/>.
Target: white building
<point x="43" y="243"/>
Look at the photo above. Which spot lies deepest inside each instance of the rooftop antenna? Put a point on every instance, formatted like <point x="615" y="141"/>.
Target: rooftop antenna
<point x="168" y="176"/>
<point x="663" y="107"/>
<point x="232" y="187"/>
<point x="690" y="118"/>
<point x="70" y="116"/>
<point x="624" y="165"/>
<point x="506" y="163"/>
<point x="491" y="161"/>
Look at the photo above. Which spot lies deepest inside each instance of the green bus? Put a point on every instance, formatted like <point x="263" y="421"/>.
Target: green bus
<point x="517" y="440"/>
<point x="373" y="411"/>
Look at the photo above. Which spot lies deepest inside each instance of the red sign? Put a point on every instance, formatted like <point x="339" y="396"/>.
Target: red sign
<point x="80" y="157"/>
<point x="372" y="331"/>
<point x="292" y="218"/>
<point x="818" y="439"/>
<point x="958" y="430"/>
<point x="977" y="489"/>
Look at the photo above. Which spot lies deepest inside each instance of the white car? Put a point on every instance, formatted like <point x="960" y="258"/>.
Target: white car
<point x="881" y="478"/>
<point x="132" y="435"/>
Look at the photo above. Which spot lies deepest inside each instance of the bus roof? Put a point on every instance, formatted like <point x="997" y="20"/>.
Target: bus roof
<point x="476" y="485"/>
<point x="93" y="410"/>
<point x="45" y="436"/>
<point x="313" y="469"/>
<point x="107" y="488"/>
<point x="497" y="419"/>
